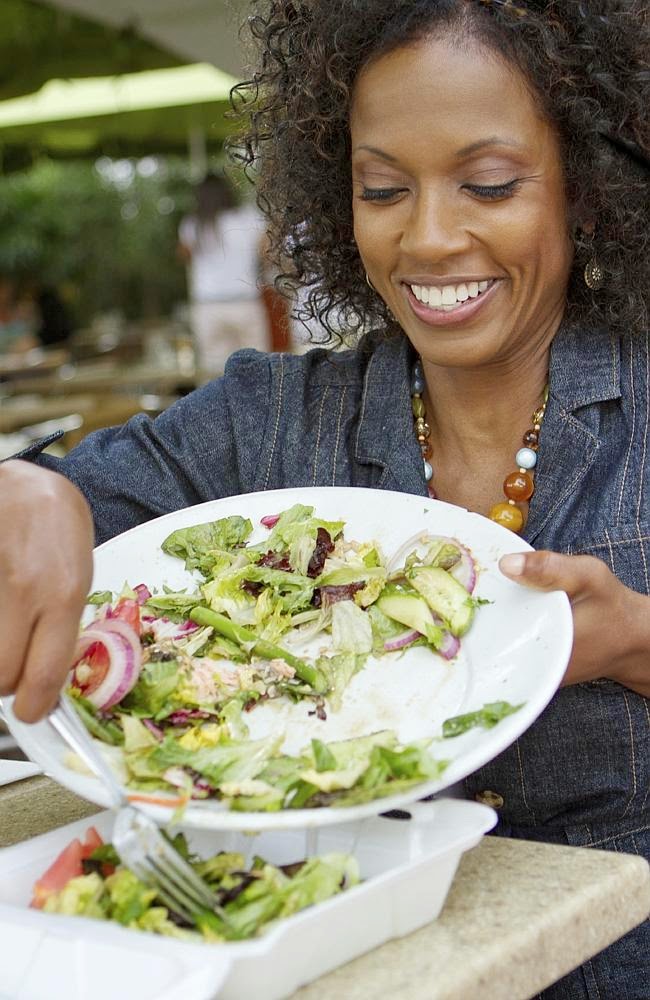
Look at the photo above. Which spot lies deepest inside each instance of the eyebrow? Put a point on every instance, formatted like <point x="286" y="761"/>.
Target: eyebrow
<point x="377" y="152"/>
<point x="493" y="140"/>
<point x="474" y="147"/>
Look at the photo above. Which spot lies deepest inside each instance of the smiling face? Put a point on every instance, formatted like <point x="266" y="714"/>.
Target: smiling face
<point x="459" y="205"/>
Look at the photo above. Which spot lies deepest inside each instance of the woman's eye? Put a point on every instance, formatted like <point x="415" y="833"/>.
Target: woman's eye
<point x="493" y="191"/>
<point x="380" y="194"/>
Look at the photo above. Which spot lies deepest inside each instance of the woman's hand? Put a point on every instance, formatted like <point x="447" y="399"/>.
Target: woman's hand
<point x="46" y="544"/>
<point x="611" y="622"/>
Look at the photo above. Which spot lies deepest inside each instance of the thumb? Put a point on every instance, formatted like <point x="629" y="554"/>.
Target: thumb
<point x="543" y="570"/>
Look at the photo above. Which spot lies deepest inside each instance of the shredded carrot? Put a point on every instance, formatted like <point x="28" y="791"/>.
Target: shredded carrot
<point x="156" y="800"/>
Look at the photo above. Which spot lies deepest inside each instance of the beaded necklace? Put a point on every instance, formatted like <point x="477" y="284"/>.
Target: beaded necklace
<point x="518" y="487"/>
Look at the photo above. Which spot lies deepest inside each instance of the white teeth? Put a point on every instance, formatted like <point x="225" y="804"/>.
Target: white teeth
<point x="448" y="296"/>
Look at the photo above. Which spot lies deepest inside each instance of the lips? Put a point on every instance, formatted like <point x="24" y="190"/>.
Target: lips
<point x="463" y="307"/>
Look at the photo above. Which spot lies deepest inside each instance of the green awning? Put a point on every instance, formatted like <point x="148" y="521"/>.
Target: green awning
<point x="39" y="42"/>
<point x="133" y="114"/>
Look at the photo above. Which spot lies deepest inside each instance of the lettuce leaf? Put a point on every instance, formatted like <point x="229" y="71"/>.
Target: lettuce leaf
<point x="351" y="628"/>
<point x="205" y="546"/>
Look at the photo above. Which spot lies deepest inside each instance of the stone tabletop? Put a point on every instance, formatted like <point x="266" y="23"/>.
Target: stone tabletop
<point x="519" y="915"/>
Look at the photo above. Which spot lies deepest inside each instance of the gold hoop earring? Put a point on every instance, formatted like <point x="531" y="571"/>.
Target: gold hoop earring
<point x="369" y="283"/>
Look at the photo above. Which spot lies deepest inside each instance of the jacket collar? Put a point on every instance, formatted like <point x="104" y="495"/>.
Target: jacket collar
<point x="385" y="435"/>
<point x="585" y="367"/>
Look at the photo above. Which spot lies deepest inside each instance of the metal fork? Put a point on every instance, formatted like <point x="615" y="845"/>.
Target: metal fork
<point x="136" y="838"/>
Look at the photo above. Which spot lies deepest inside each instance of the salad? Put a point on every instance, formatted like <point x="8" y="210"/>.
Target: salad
<point x="88" y="880"/>
<point x="172" y="678"/>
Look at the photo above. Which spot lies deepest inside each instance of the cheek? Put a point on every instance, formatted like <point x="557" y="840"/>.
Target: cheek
<point x="365" y="236"/>
<point x="536" y="240"/>
<point x="376" y="234"/>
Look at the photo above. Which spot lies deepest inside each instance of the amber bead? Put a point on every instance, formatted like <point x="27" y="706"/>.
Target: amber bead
<point x="518" y="486"/>
<point x="508" y="516"/>
<point x="531" y="438"/>
<point x="426" y="449"/>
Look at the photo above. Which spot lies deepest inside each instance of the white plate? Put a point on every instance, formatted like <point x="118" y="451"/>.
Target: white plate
<point x="17" y="770"/>
<point x="516" y="650"/>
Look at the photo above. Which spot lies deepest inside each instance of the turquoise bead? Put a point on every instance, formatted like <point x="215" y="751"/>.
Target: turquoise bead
<point x="526" y="458"/>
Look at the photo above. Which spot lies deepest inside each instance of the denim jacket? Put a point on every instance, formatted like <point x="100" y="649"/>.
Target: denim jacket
<point x="581" y="773"/>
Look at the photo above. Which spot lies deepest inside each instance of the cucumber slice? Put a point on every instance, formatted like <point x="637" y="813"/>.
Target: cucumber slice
<point x="444" y="596"/>
<point x="407" y="609"/>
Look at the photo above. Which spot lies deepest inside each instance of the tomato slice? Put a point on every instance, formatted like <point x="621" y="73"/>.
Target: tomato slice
<point x="129" y="611"/>
<point x="91" y="671"/>
<point x="66" y="866"/>
<point x="91" y="843"/>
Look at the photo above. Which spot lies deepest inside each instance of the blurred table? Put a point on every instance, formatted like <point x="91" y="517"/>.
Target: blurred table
<point x="39" y="359"/>
<point x="72" y="379"/>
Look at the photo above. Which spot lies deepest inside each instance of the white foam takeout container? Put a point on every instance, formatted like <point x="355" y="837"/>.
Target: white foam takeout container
<point x="406" y="865"/>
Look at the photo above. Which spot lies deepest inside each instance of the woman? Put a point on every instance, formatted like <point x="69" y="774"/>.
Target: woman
<point x="221" y="244"/>
<point x="468" y="179"/>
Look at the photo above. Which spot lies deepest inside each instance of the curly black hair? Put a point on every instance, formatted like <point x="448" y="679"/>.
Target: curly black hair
<point x="586" y="60"/>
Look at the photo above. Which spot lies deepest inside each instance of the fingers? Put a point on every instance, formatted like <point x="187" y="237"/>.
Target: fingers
<point x="548" y="571"/>
<point x="47" y="662"/>
<point x="45" y="572"/>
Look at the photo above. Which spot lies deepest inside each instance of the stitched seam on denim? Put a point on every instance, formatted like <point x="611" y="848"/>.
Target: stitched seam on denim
<point x="522" y="782"/>
<point x="631" y="444"/>
<point x="610" y="550"/>
<point x="643" y="459"/>
<point x="632" y="752"/>
<point x="362" y="415"/>
<point x="570" y="419"/>
<point x="615" y="836"/>
<point x="320" y="427"/>
<point x="647" y="712"/>
<point x="609" y="544"/>
<point x="588" y="966"/>
<point x="277" y="423"/>
<point x="338" y="436"/>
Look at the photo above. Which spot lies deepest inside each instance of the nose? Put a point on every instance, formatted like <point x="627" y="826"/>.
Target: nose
<point x="434" y="230"/>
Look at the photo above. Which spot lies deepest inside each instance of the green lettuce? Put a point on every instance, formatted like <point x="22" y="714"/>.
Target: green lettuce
<point x="351" y="628"/>
<point x="232" y="761"/>
<point x="207" y="546"/>
<point x="153" y="695"/>
<point x="486" y="717"/>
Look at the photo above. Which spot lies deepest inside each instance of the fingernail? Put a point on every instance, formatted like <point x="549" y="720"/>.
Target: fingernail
<point x="513" y="564"/>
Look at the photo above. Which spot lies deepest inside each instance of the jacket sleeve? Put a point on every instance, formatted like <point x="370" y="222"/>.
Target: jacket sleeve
<point x="205" y="446"/>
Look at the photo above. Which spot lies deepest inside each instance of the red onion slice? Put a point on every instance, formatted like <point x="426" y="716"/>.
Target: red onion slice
<point x="153" y="728"/>
<point x="449" y="647"/>
<point x="165" y="628"/>
<point x="123" y="665"/>
<point x="117" y="626"/>
<point x="143" y="593"/>
<point x="401" y="640"/>
<point x="270" y="520"/>
<point x="465" y="570"/>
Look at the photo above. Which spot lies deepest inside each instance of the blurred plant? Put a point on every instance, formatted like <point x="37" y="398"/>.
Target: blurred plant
<point x="103" y="233"/>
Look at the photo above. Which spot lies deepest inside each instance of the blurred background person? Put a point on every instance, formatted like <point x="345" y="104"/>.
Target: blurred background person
<point x="17" y="318"/>
<point x="53" y="323"/>
<point x="222" y="243"/>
